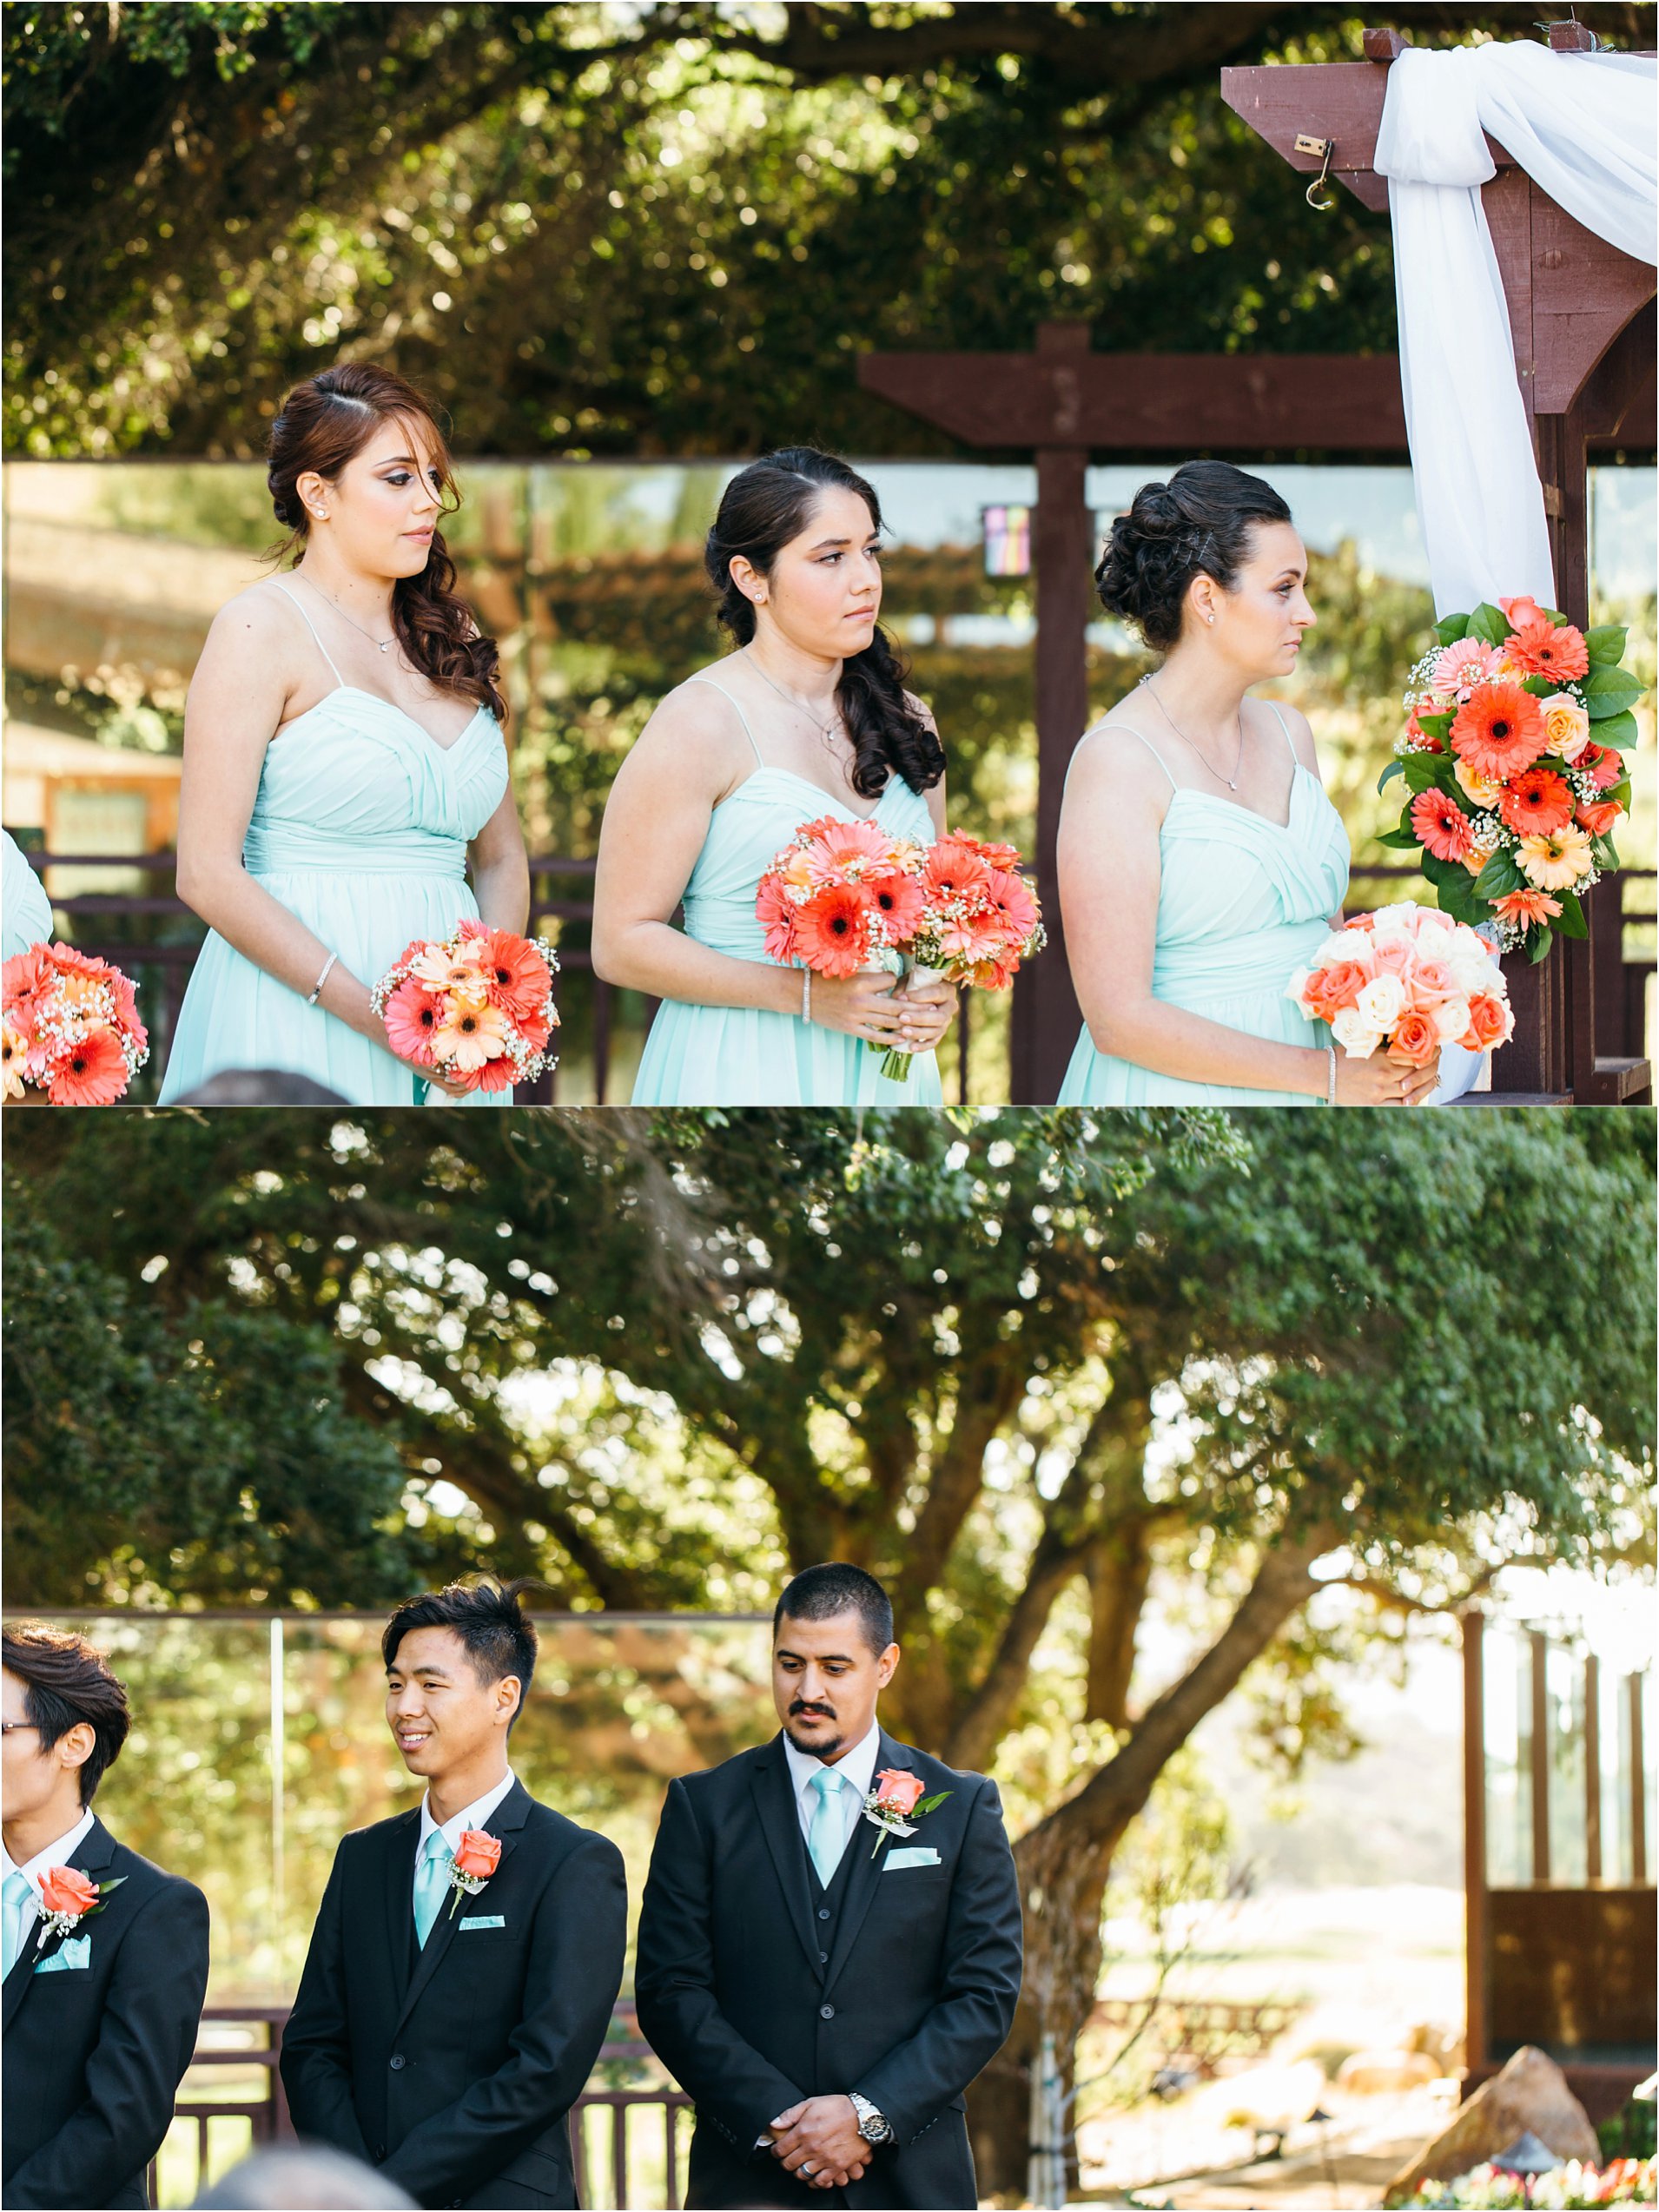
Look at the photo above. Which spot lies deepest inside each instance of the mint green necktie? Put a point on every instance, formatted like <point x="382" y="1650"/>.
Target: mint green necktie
<point x="432" y="1883"/>
<point x="826" y="1837"/>
<point x="16" y="1893"/>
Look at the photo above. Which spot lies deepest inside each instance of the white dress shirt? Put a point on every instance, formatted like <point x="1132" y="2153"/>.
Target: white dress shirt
<point x="55" y="1854"/>
<point x="856" y="1767"/>
<point x="476" y="1815"/>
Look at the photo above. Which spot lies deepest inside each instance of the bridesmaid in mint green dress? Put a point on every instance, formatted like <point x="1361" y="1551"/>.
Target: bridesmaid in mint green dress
<point x="343" y="762"/>
<point x="1201" y="863"/>
<point x="810" y="717"/>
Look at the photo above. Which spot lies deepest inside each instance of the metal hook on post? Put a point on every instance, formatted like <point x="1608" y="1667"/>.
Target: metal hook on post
<point x="1323" y="148"/>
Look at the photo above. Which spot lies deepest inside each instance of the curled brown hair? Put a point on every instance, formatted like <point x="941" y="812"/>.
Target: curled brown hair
<point x="320" y="425"/>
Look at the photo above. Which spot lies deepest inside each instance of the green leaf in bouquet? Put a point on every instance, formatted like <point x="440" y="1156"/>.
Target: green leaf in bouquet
<point x="1500" y="874"/>
<point x="1401" y="840"/>
<point x="1538" y="942"/>
<point x="1489" y="623"/>
<point x="1424" y="770"/>
<point x="1453" y="627"/>
<point x="1606" y="645"/>
<point x="1570" y="920"/>
<point x="1608" y="691"/>
<point x="1617" y="731"/>
<point x="1436" y="725"/>
<point x="1540" y="686"/>
<point x="1455" y="893"/>
<point x="1396" y="767"/>
<point x="1620" y="791"/>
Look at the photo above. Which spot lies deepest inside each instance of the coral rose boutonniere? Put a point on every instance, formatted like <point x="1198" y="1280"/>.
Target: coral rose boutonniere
<point x="67" y="1897"/>
<point x="475" y="1861"/>
<point x="895" y="1797"/>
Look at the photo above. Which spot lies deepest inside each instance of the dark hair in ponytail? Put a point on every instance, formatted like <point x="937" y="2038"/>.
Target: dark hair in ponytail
<point x="322" y="424"/>
<point x="1199" y="523"/>
<point x="763" y="508"/>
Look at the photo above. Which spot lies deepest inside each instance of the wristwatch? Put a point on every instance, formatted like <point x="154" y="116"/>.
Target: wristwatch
<point x="872" y="2124"/>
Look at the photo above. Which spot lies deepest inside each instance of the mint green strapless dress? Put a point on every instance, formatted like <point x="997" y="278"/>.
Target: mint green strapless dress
<point x="360" y="826"/>
<point x="746" y="1056"/>
<point x="1243" y="903"/>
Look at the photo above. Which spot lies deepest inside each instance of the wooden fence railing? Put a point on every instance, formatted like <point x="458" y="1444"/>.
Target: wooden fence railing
<point x="152" y="935"/>
<point x="615" y="2170"/>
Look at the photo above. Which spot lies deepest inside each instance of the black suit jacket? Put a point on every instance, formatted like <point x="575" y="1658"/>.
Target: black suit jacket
<point x="94" y="2054"/>
<point x="916" y="1995"/>
<point x="454" y="2067"/>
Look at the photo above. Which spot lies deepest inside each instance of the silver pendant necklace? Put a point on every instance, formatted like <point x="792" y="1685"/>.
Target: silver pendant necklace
<point x="1232" y="781"/>
<point x="384" y="643"/>
<point x="826" y="730"/>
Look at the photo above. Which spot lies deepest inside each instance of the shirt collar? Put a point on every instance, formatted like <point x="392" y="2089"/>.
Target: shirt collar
<point x="470" y="1816"/>
<point x="856" y="1767"/>
<point x="55" y="1854"/>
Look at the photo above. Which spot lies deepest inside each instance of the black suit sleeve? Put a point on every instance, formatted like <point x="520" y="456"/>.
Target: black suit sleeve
<point x="152" y="2009"/>
<point x="576" y="1945"/>
<point x="739" y="2088"/>
<point x="970" y="2022"/>
<point x="316" y="2049"/>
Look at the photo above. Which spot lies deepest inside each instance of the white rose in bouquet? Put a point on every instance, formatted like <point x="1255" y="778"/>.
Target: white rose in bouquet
<point x="1381" y="1005"/>
<point x="1355" y="1034"/>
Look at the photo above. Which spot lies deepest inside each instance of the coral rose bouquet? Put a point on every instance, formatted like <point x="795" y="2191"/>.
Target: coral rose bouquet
<point x="477" y="1007"/>
<point x="1409" y="981"/>
<point x="70" y="1026"/>
<point x="1513" y="758"/>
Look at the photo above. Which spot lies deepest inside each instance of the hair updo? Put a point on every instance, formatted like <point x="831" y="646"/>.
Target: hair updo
<point x="763" y="507"/>
<point x="320" y="425"/>
<point x="1199" y="523"/>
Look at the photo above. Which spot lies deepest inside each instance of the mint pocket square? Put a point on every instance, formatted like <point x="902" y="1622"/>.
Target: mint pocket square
<point x="484" y="1920"/>
<point x="73" y="1952"/>
<point x="912" y="1855"/>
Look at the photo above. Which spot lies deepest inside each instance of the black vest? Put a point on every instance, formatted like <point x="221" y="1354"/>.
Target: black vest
<point x="827" y="1903"/>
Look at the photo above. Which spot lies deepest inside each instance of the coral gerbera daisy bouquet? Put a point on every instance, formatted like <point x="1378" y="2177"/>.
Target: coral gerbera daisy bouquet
<point x="844" y="895"/>
<point x="476" y="1008"/>
<point x="838" y="896"/>
<point x="69" y="1025"/>
<point x="1513" y="758"/>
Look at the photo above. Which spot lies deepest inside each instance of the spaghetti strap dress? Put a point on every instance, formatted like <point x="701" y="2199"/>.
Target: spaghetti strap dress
<point x="1243" y="903"/>
<point x="360" y="826"/>
<point x="27" y="917"/>
<point x="713" y="1055"/>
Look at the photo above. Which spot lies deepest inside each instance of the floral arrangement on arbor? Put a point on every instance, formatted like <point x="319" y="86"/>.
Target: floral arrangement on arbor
<point x="1513" y="760"/>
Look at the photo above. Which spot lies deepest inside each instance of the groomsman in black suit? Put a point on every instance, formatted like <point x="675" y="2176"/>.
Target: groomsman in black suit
<point x="105" y="1956"/>
<point x="825" y="1985"/>
<point x="467" y="1953"/>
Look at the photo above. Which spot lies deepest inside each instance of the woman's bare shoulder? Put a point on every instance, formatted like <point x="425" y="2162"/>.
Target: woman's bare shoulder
<point x="1114" y="752"/>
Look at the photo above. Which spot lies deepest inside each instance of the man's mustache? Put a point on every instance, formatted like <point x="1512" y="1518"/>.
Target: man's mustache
<point x="799" y="1709"/>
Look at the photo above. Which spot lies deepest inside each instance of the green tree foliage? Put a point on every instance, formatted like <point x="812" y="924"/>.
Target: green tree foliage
<point x="200" y="1452"/>
<point x="669" y="229"/>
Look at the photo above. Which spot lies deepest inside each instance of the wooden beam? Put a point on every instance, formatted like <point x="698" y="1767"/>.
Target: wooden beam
<point x="1539" y="1747"/>
<point x="1150" y="403"/>
<point x="1476" y="1913"/>
<point x="1045" y="1017"/>
<point x="1592" y="1768"/>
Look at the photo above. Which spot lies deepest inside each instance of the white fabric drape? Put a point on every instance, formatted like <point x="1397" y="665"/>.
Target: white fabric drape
<point x="1583" y="126"/>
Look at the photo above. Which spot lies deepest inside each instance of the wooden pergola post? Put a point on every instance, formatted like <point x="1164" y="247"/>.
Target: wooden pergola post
<point x="1581" y="316"/>
<point x="1066" y="405"/>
